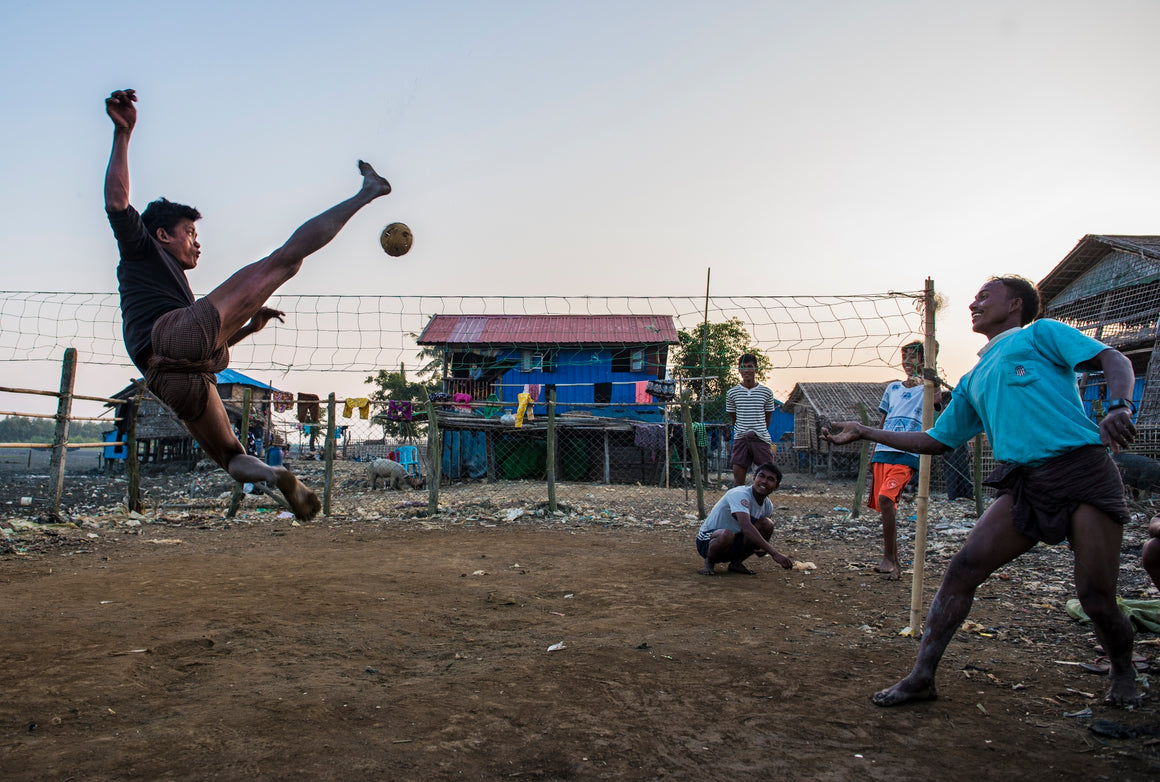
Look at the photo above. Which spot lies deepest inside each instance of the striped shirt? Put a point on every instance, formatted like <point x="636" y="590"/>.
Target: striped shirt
<point x="750" y="405"/>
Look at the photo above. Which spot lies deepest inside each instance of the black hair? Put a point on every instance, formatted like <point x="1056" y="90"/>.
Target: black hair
<point x="914" y="347"/>
<point x="164" y="213"/>
<point x="1024" y="289"/>
<point x="769" y="467"/>
<point x="747" y="358"/>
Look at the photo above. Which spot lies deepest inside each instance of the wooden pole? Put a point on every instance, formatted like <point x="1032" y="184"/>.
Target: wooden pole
<point x="705" y="344"/>
<point x="666" y="445"/>
<point x="930" y="388"/>
<point x="607" y="461"/>
<point x="977" y="473"/>
<point x="132" y="462"/>
<point x="239" y="487"/>
<point x="694" y="454"/>
<point x="328" y="449"/>
<point x="551" y="455"/>
<point x="434" y="460"/>
<point x="60" y="439"/>
<point x="863" y="465"/>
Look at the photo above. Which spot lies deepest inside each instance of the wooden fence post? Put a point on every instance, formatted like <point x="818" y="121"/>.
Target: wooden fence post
<point x="239" y="487"/>
<point x="694" y="455"/>
<point x="977" y="458"/>
<point x="863" y="465"/>
<point x="434" y="461"/>
<point x="550" y="459"/>
<point x="328" y="449"/>
<point x="60" y="439"/>
<point x="132" y="460"/>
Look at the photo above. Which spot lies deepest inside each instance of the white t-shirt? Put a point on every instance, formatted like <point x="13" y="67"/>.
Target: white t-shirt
<point x="739" y="499"/>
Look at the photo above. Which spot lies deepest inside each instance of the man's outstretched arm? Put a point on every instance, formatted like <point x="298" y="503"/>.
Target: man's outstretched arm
<point x="845" y="432"/>
<point x="119" y="106"/>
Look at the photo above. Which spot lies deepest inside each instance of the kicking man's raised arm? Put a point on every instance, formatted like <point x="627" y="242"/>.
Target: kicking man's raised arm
<point x="119" y="106"/>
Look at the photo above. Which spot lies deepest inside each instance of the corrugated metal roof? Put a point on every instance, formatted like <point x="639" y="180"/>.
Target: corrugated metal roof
<point x="549" y="330"/>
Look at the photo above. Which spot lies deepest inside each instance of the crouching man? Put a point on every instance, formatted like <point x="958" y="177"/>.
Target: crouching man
<point x="741" y="525"/>
<point x="393" y="473"/>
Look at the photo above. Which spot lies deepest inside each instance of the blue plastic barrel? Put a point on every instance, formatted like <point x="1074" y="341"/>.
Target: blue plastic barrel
<point x="274" y="457"/>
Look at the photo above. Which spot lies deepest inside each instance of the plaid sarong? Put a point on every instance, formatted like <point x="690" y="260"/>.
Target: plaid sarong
<point x="1045" y="497"/>
<point x="186" y="356"/>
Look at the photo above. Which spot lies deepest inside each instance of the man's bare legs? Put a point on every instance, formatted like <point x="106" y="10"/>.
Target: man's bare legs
<point x="993" y="543"/>
<point x="739" y="474"/>
<point x="237" y="300"/>
<point x="213" y="432"/>
<point x="889" y="567"/>
<point x="1096" y="540"/>
<point x="241" y="296"/>
<point x="721" y="547"/>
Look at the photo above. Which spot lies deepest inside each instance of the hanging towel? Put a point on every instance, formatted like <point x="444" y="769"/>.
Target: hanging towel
<point x="642" y="395"/>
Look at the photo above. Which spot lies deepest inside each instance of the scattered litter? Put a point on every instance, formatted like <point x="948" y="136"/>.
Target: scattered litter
<point x="511" y="514"/>
<point x="165" y="541"/>
<point x="1082" y="714"/>
<point x="557" y="647"/>
<point x="479" y="573"/>
<point x="285" y="515"/>
<point x="804" y="566"/>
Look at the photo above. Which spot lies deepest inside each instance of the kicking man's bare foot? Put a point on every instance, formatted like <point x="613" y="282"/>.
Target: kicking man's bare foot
<point x="737" y="567"/>
<point x="373" y="184"/>
<point x="302" y="500"/>
<point x="1123" y="693"/>
<point x="707" y="570"/>
<point x="903" y="692"/>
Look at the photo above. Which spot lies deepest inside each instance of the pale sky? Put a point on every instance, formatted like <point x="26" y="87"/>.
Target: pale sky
<point x="595" y="148"/>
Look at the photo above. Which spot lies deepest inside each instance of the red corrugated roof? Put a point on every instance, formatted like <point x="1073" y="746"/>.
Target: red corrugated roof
<point x="549" y="330"/>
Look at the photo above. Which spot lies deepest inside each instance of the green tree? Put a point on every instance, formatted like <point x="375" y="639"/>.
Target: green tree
<point x="396" y="386"/>
<point x="713" y="354"/>
<point x="432" y="358"/>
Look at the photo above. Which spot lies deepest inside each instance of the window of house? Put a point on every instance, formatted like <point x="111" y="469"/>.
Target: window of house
<point x="628" y="360"/>
<point x="602" y="393"/>
<point x="538" y="361"/>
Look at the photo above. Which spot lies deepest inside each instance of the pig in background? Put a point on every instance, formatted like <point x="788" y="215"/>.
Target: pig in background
<point x="394" y="474"/>
<point x="1139" y="473"/>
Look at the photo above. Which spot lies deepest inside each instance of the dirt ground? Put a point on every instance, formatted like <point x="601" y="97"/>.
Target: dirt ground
<point x="486" y="643"/>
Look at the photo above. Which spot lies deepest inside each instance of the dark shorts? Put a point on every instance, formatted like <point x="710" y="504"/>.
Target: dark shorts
<point x="186" y="356"/>
<point x="1045" y="497"/>
<point x="749" y="450"/>
<point x="739" y="551"/>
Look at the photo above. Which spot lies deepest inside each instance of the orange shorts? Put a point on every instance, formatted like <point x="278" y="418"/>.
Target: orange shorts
<point x="889" y="481"/>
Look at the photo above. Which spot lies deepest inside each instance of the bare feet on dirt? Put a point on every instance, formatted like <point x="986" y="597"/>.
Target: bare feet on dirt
<point x="302" y="500"/>
<point x="1122" y="692"/>
<point x="904" y="692"/>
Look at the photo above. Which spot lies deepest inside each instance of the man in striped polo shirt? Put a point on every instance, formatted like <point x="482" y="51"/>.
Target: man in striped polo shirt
<point x="750" y="407"/>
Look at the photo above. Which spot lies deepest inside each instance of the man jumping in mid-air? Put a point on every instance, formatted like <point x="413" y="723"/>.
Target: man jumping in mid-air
<point x="180" y="343"/>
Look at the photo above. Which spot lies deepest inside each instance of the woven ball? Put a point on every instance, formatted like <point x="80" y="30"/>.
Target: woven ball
<point x="396" y="239"/>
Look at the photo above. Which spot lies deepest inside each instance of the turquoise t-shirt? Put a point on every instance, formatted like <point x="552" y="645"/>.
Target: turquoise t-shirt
<point x="1023" y="393"/>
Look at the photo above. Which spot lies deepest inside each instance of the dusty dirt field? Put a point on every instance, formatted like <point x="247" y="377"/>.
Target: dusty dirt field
<point x="381" y="644"/>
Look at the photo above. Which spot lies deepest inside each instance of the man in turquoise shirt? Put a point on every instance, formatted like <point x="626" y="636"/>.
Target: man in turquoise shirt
<point x="1054" y="478"/>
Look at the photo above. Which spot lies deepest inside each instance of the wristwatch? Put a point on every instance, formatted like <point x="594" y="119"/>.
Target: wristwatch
<point x="1116" y="404"/>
